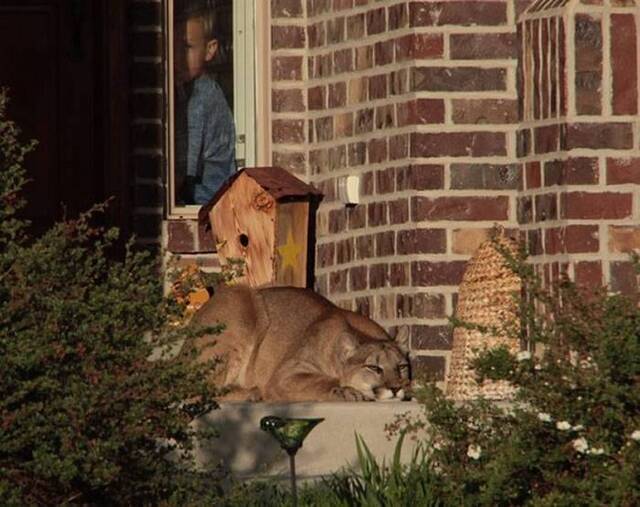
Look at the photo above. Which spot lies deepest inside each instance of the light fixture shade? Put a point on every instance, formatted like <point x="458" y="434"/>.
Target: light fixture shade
<point x="289" y="432"/>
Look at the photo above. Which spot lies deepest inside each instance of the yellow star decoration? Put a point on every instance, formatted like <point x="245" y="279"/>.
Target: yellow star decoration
<point x="289" y="252"/>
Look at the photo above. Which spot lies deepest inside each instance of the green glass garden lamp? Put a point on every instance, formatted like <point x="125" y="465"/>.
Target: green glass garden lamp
<point x="290" y="433"/>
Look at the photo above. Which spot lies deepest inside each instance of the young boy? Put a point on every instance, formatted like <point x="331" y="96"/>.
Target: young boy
<point x="210" y="140"/>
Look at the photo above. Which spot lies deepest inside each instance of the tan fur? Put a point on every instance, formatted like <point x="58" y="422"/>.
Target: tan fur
<point x="290" y="344"/>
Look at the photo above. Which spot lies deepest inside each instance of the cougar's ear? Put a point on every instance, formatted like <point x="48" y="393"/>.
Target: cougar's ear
<point x="402" y="338"/>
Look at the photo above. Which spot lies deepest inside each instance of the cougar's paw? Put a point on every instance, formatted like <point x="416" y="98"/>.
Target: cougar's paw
<point x="349" y="394"/>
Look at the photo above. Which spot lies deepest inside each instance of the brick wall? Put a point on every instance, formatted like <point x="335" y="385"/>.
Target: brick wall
<point x="579" y="139"/>
<point x="419" y="99"/>
<point x="456" y="117"/>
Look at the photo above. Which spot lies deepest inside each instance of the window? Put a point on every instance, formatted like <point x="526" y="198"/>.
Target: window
<point x="212" y="97"/>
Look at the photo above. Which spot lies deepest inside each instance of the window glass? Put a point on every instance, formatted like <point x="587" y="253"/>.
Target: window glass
<point x="202" y="131"/>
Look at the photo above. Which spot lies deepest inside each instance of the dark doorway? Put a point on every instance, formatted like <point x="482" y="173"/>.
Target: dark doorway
<point x="65" y="64"/>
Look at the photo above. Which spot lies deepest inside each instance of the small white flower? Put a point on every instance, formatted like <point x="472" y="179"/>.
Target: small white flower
<point x="578" y="427"/>
<point x="537" y="367"/>
<point x="474" y="451"/>
<point x="596" y="451"/>
<point x="544" y="417"/>
<point x="523" y="355"/>
<point x="636" y="435"/>
<point x="563" y="425"/>
<point x="580" y="444"/>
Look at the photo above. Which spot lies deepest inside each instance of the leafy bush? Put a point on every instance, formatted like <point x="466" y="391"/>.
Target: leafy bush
<point x="85" y="416"/>
<point x="571" y="436"/>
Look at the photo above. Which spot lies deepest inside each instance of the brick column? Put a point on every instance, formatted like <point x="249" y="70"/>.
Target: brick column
<point x="419" y="99"/>
<point x="579" y="139"/>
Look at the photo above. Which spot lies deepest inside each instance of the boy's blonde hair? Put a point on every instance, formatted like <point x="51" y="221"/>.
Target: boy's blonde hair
<point x="205" y="10"/>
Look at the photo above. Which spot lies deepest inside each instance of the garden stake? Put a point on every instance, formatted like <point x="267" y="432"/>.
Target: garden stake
<point x="290" y="433"/>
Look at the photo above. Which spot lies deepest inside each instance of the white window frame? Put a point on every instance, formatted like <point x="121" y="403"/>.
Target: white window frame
<point x="249" y="19"/>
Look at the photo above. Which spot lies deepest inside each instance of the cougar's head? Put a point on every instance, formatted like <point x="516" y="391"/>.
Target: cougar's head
<point x="380" y="369"/>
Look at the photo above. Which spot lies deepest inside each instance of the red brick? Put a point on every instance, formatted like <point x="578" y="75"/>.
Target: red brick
<point x="546" y="206"/>
<point x="426" y="273"/>
<point x="355" y="26"/>
<point x="385" y="243"/>
<point x="623" y="170"/>
<point x="325" y="255"/>
<point x="287" y="131"/>
<point x="206" y="241"/>
<point x="420" y="112"/>
<point x="428" y="368"/>
<point x="524" y="209"/>
<point x="544" y="84"/>
<point x="421" y="305"/>
<point x="357" y="216"/>
<point x="286" y="8"/>
<point x="460" y="208"/>
<point x="358" y="278"/>
<point x="588" y="54"/>
<point x="458" y="79"/>
<point x="288" y="100"/>
<point x="340" y="5"/>
<point x="533" y="175"/>
<point x="343" y="61"/>
<point x="378" y="86"/>
<point x="624" y="238"/>
<point x="377" y="213"/>
<point x="616" y="136"/>
<point x="420" y="241"/>
<point x="399" y="211"/>
<point x="364" y="121"/>
<point x="385" y="180"/>
<point x="580" y="171"/>
<point x="377" y="149"/>
<point x="422" y="46"/>
<point x="624" y="62"/>
<point x="623" y="278"/>
<point x="344" y="251"/>
<point x="581" y="238"/>
<point x="335" y="30"/>
<point x="562" y="71"/>
<point x="357" y="154"/>
<point x="384" y="117"/>
<point x="364" y="247"/>
<point x="485" y="46"/>
<point x="287" y="37"/>
<point x="324" y="129"/>
<point x="596" y="205"/>
<point x="337" y="221"/>
<point x="588" y="273"/>
<point x="337" y="94"/>
<point x="378" y="276"/>
<point x="398" y="16"/>
<point x="458" y="144"/>
<point x="431" y="337"/>
<point x="364" y="57"/>
<point x="383" y="52"/>
<point x="286" y="68"/>
<point x="338" y="281"/>
<point x="294" y="162"/>
<point x="546" y="138"/>
<point x="463" y="13"/>
<point x="180" y="236"/>
<point x="399" y="147"/>
<point x="485" y="111"/>
<point x="316" y="34"/>
<point x="486" y="176"/>
<point x="399" y="274"/>
<point x="420" y="177"/>
<point x="376" y="21"/>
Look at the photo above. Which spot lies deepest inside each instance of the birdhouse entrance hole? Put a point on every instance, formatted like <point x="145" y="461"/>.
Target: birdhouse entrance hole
<point x="244" y="240"/>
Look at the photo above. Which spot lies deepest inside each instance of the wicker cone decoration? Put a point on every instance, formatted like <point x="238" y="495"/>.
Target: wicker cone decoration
<point x="487" y="298"/>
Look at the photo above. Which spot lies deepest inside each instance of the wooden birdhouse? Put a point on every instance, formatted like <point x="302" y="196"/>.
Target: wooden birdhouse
<point x="266" y="216"/>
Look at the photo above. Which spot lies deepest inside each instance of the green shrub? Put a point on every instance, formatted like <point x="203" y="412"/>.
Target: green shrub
<point x="85" y="416"/>
<point x="571" y="436"/>
<point x="372" y="484"/>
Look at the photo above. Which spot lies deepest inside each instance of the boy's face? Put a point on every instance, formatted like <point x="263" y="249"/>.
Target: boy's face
<point x="198" y="50"/>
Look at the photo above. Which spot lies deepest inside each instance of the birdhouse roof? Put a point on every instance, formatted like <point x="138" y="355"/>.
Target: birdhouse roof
<point x="280" y="184"/>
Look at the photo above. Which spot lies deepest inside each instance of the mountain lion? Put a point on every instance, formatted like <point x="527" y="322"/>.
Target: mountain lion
<point x="290" y="344"/>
